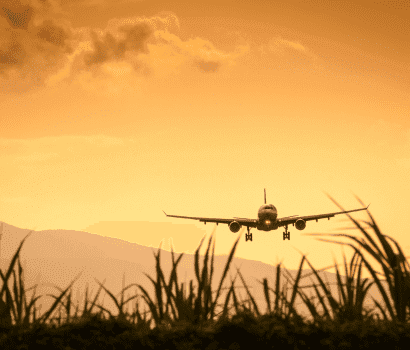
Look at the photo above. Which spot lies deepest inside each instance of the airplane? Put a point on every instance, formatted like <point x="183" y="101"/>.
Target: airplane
<point x="267" y="220"/>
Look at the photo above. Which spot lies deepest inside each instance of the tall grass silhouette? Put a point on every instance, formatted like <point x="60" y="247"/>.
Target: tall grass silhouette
<point x="198" y="308"/>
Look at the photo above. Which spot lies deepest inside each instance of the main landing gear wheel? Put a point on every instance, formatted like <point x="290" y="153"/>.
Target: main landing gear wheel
<point x="286" y="234"/>
<point x="248" y="236"/>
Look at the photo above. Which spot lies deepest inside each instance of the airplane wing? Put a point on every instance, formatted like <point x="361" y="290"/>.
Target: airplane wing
<point x="287" y="217"/>
<point x="242" y="221"/>
<point x="291" y="220"/>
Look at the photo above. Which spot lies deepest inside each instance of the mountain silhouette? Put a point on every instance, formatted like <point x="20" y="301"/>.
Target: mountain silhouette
<point x="54" y="258"/>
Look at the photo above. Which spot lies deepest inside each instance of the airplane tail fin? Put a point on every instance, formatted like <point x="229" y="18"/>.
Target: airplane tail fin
<point x="265" y="194"/>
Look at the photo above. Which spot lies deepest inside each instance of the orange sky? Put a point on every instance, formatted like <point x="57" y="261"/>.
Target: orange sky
<point x="112" y="111"/>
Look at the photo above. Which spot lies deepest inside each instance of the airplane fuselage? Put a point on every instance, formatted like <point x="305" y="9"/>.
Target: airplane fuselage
<point x="267" y="218"/>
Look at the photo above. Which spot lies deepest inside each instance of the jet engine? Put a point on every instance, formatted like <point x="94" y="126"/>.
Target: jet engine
<point x="234" y="226"/>
<point x="300" y="224"/>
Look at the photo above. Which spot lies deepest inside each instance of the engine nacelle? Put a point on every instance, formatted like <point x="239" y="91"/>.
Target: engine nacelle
<point x="234" y="226"/>
<point x="300" y="224"/>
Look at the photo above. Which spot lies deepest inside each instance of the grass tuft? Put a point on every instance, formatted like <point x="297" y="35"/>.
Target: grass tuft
<point x="172" y="311"/>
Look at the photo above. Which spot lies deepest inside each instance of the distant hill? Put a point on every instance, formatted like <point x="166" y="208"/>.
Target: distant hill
<point x="55" y="257"/>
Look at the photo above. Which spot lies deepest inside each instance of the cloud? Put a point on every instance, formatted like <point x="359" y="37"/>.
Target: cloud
<point x="49" y="32"/>
<point x="37" y="49"/>
<point x="150" y="48"/>
<point x="117" y="59"/>
<point x="32" y="43"/>
<point x="111" y="48"/>
<point x="281" y="46"/>
<point x="284" y="53"/>
<point x="207" y="66"/>
<point x="19" y="17"/>
<point x="197" y="52"/>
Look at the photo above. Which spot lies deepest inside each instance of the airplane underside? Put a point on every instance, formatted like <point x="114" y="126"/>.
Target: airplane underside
<point x="248" y="236"/>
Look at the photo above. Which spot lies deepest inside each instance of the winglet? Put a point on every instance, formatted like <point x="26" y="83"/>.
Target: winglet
<point x="367" y="206"/>
<point x="165" y="213"/>
<point x="265" y="194"/>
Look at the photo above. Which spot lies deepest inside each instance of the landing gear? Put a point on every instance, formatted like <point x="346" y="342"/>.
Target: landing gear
<point x="248" y="236"/>
<point x="286" y="234"/>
